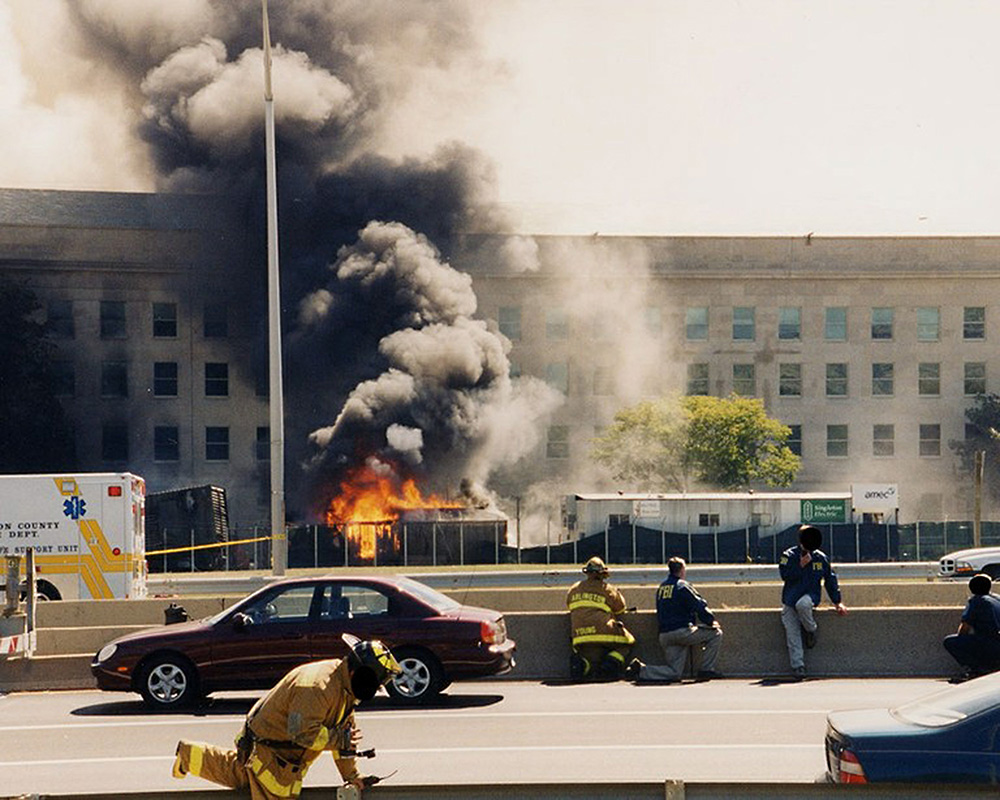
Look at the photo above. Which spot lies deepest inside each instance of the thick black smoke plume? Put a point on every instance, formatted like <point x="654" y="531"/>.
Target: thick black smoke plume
<point x="384" y="359"/>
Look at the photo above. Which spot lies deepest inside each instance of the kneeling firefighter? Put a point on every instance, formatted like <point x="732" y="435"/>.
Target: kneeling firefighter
<point x="601" y="642"/>
<point x="310" y="710"/>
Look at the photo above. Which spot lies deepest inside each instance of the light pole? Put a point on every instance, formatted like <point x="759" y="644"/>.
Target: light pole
<point x="279" y="542"/>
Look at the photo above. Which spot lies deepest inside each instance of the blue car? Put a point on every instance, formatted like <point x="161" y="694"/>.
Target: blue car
<point x="951" y="736"/>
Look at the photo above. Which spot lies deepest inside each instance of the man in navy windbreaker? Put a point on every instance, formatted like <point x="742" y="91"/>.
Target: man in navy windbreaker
<point x="686" y="625"/>
<point x="805" y="569"/>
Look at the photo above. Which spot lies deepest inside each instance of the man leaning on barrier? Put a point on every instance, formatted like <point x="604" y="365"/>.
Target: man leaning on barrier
<point x="976" y="645"/>
<point x="601" y="642"/>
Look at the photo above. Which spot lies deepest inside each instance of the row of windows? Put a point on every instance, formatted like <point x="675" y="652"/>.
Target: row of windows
<point x="883" y="441"/>
<point x="114" y="380"/>
<point x="882" y="323"/>
<point x="790" y="379"/>
<point x="836" y="384"/>
<point x="163" y="320"/>
<point x="166" y="443"/>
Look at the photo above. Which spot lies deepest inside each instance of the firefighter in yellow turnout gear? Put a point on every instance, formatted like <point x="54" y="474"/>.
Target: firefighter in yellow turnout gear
<point x="309" y="711"/>
<point x="601" y="642"/>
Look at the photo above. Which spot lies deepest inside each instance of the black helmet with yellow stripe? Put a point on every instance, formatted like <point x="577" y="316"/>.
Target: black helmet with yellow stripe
<point x="372" y="657"/>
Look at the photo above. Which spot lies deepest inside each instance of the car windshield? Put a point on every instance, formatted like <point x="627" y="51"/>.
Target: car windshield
<point x="951" y="705"/>
<point x="426" y="594"/>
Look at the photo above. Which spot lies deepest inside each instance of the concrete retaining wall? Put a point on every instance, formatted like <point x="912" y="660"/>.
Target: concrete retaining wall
<point x="889" y="642"/>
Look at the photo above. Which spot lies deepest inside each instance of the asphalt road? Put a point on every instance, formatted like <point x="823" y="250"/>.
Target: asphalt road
<point x="481" y="732"/>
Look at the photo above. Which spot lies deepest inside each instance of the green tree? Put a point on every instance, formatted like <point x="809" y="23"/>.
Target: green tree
<point x="982" y="432"/>
<point x="726" y="443"/>
<point x="34" y="433"/>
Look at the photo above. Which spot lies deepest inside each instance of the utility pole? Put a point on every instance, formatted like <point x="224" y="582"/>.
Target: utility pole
<point x="279" y="541"/>
<point x="978" y="512"/>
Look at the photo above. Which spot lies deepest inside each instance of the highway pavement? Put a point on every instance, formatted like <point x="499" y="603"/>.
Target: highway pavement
<point x="479" y="732"/>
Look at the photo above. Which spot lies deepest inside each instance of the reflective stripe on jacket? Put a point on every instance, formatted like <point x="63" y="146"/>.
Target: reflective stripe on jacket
<point x="593" y="605"/>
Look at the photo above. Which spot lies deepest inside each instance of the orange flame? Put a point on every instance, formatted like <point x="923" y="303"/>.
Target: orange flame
<point x="369" y="503"/>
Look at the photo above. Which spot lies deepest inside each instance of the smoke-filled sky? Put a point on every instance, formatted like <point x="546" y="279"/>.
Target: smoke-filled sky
<point x="655" y="116"/>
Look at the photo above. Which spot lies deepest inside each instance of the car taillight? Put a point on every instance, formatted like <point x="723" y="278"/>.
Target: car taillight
<point x="849" y="768"/>
<point x="493" y="632"/>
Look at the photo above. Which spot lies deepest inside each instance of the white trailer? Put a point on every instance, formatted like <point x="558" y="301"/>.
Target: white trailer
<point x="87" y="532"/>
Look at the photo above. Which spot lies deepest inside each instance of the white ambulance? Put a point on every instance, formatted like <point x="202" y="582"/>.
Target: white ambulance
<point x="87" y="530"/>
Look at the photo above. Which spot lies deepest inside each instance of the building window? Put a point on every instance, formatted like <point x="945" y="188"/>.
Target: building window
<point x="556" y="325"/>
<point x="928" y="324"/>
<point x="835" y="324"/>
<point x="165" y="320"/>
<point x="883" y="379"/>
<point x="790" y="380"/>
<point x="744" y="380"/>
<point x="794" y="440"/>
<point x="63" y="378"/>
<point x="789" y="323"/>
<point x="166" y="443"/>
<point x="263" y="444"/>
<point x="744" y="325"/>
<point x="883" y="440"/>
<point x="114" y="443"/>
<point x="112" y="319"/>
<point x="836" y="380"/>
<point x="696" y="324"/>
<point x="114" y="379"/>
<point x="974" y="322"/>
<point x="929" y="378"/>
<point x="216" y="380"/>
<point x="510" y="322"/>
<point x="708" y="520"/>
<point x="557" y="376"/>
<point x="652" y="320"/>
<point x="930" y="440"/>
<point x="514" y="369"/>
<point x="216" y="444"/>
<point x="975" y="377"/>
<point x="165" y="379"/>
<point x="697" y="379"/>
<point x="882" y="323"/>
<point x="557" y="445"/>
<point x="59" y="319"/>
<point x="604" y="381"/>
<point x="836" y="441"/>
<point x="215" y="323"/>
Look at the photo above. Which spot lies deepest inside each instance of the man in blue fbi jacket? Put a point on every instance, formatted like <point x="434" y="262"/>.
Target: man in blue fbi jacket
<point x="805" y="569"/>
<point x="686" y="625"/>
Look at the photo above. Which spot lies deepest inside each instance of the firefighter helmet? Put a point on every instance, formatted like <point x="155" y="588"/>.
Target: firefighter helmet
<point x="595" y="566"/>
<point x="374" y="655"/>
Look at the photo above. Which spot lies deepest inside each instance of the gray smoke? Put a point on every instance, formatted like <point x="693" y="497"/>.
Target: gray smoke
<point x="385" y="363"/>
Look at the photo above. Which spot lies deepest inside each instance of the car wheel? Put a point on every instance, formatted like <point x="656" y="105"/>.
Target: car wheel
<point x="46" y="591"/>
<point x="993" y="570"/>
<point x="421" y="679"/>
<point x="168" y="681"/>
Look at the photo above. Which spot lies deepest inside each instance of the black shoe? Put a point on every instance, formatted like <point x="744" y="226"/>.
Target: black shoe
<point x="632" y="670"/>
<point x="707" y="675"/>
<point x="808" y="639"/>
<point x="578" y="667"/>
<point x="799" y="674"/>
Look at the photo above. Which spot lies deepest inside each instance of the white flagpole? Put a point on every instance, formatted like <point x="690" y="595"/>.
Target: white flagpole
<point x="279" y="542"/>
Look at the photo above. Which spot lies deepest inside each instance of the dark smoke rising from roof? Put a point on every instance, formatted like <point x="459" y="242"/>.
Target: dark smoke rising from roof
<point x="384" y="358"/>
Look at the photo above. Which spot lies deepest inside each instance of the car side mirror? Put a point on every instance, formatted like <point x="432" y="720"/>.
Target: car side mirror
<point x="242" y="621"/>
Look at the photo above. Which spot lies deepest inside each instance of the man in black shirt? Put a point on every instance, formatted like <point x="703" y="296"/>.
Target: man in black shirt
<point x="976" y="645"/>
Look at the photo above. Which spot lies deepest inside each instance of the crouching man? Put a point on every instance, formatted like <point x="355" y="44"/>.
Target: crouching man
<point x="309" y="711"/>
<point x="601" y="642"/>
<point x="687" y="626"/>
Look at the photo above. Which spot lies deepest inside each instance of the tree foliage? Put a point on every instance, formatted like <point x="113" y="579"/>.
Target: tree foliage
<point x="982" y="432"/>
<point x="34" y="433"/>
<point x="725" y="443"/>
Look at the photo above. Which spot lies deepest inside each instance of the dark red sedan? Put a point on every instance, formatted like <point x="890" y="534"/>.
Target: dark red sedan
<point x="252" y="644"/>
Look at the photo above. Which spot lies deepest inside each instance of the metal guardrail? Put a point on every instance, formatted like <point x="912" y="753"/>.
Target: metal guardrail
<point x="236" y="583"/>
<point x="667" y="790"/>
